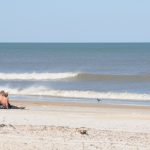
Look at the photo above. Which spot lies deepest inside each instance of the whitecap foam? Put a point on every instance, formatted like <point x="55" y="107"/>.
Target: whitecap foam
<point x="71" y="75"/>
<point x="43" y="91"/>
<point x="36" y="76"/>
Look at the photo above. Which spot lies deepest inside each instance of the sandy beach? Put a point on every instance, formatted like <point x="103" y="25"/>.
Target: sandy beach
<point x="71" y="126"/>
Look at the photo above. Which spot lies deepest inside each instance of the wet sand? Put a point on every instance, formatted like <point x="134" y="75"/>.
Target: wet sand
<point x="71" y="126"/>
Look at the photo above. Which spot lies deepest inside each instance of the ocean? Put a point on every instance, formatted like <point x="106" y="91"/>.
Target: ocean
<point x="76" y="72"/>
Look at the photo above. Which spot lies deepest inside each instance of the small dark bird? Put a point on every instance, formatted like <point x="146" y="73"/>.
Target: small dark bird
<point x="98" y="100"/>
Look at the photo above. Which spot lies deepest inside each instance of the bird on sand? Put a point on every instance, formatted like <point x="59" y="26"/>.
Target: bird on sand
<point x="98" y="99"/>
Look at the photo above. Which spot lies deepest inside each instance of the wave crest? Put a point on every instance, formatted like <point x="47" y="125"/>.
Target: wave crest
<point x="73" y="76"/>
<point x="36" y="76"/>
<point x="42" y="91"/>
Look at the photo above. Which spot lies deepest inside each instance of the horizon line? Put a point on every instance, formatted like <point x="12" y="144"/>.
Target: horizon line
<point x="72" y="42"/>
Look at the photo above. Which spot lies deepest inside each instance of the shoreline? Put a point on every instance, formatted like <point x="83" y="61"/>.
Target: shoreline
<point x="91" y="101"/>
<point x="76" y="104"/>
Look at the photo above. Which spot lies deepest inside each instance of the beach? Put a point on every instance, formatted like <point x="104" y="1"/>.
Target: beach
<point x="74" y="75"/>
<point x="60" y="125"/>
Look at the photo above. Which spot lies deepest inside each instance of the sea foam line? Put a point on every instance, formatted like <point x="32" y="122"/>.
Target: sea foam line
<point x="42" y="91"/>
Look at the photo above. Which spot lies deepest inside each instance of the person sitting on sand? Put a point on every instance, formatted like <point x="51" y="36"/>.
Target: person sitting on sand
<point x="4" y="101"/>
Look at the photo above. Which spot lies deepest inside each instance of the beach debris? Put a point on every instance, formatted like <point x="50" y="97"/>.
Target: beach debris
<point x="2" y="125"/>
<point x="83" y="131"/>
<point x="10" y="125"/>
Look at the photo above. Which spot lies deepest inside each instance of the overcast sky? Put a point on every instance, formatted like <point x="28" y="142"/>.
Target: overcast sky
<point x="74" y="20"/>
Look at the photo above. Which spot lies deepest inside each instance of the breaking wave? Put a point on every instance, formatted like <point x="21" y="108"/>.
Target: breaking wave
<point x="73" y="76"/>
<point x="36" y="76"/>
<point x="42" y="91"/>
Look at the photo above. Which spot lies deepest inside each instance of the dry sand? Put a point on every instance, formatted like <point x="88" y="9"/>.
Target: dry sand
<point x="74" y="126"/>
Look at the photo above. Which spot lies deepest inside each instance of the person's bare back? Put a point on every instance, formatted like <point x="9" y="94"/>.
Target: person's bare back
<point x="4" y="101"/>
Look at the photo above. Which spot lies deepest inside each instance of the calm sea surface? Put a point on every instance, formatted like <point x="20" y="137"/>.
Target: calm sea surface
<point x="76" y="72"/>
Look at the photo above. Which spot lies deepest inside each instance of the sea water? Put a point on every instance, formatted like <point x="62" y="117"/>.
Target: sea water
<point x="79" y="72"/>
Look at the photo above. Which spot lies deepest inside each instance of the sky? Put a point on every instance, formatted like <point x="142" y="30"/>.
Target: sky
<point x="74" y="21"/>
